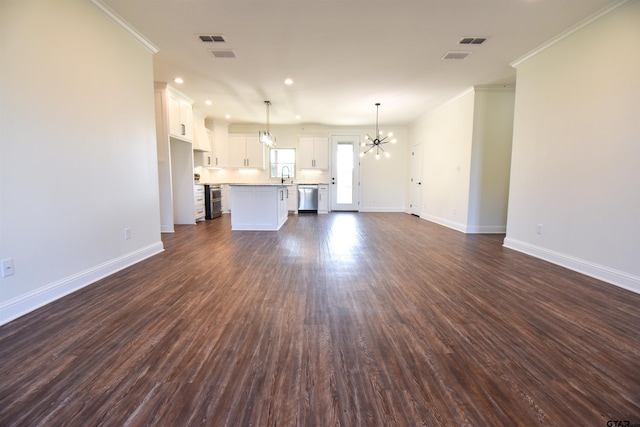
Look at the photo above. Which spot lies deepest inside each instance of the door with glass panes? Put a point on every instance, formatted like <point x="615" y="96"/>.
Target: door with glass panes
<point x="345" y="172"/>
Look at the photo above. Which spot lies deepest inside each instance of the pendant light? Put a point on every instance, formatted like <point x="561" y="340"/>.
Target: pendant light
<point x="266" y="137"/>
<point x="378" y="141"/>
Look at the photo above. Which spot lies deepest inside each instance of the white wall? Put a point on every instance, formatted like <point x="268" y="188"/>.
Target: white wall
<point x="446" y="137"/>
<point x="576" y="151"/>
<point x="490" y="159"/>
<point x="77" y="150"/>
<point x="466" y="147"/>
<point x="382" y="181"/>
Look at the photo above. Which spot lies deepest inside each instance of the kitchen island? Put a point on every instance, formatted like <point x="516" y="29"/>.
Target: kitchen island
<point x="258" y="206"/>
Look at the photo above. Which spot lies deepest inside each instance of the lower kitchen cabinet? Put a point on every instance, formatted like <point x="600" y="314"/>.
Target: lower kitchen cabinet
<point x="198" y="196"/>
<point x="292" y="201"/>
<point x="323" y="199"/>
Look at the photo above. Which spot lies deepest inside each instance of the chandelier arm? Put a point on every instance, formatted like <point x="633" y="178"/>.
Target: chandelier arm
<point x="368" y="149"/>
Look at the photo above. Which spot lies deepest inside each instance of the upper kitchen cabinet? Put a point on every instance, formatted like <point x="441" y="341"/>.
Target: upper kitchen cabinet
<point x="219" y="144"/>
<point x="180" y="115"/>
<point x="201" y="140"/>
<point x="245" y="151"/>
<point x="204" y="158"/>
<point x="313" y="152"/>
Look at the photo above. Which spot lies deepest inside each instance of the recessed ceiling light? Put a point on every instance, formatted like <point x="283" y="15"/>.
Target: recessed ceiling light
<point x="227" y="116"/>
<point x="178" y="80"/>
<point x="298" y="117"/>
<point x="288" y="82"/>
<point x="208" y="102"/>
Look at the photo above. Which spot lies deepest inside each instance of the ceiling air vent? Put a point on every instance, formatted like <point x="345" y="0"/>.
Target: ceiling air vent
<point x="472" y="40"/>
<point x="223" y="53"/>
<point x="211" y="38"/>
<point x="456" y="55"/>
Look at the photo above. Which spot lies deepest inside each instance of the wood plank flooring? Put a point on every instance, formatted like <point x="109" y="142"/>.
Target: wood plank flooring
<point x="344" y="319"/>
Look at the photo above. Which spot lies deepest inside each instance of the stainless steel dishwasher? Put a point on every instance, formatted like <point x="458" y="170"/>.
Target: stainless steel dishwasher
<point x="308" y="198"/>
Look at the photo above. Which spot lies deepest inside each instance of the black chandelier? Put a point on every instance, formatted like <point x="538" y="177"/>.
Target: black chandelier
<point x="378" y="141"/>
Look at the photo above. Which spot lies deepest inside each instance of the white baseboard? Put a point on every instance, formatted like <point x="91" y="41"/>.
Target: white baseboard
<point x="33" y="300"/>
<point x="487" y="229"/>
<point x="600" y="272"/>
<point x="476" y="229"/>
<point x="450" y="224"/>
<point x="380" y="209"/>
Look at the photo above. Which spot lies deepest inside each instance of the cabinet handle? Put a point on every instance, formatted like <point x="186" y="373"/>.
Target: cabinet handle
<point x="216" y="161"/>
<point x="184" y="129"/>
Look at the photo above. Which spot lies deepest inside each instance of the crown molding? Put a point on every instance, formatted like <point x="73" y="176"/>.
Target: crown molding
<point x="123" y="24"/>
<point x="599" y="14"/>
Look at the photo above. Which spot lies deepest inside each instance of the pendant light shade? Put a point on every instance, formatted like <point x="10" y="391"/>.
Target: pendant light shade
<point x="266" y="137"/>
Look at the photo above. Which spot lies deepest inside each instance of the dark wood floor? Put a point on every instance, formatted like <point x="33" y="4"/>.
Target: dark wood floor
<point x="341" y="319"/>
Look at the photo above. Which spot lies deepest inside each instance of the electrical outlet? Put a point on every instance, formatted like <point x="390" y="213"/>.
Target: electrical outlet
<point x="7" y="267"/>
<point x="539" y="229"/>
<point x="127" y="234"/>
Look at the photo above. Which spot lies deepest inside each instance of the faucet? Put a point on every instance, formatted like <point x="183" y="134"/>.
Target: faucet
<point x="288" y="173"/>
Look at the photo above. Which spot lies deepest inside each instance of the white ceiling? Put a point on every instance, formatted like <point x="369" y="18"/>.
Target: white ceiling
<point x="343" y="55"/>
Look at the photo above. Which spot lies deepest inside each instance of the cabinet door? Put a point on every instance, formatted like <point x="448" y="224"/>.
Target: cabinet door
<point x="255" y="153"/>
<point x="323" y="199"/>
<point x="180" y="118"/>
<point x="175" y="127"/>
<point x="220" y="145"/>
<point x="292" y="201"/>
<point x="321" y="153"/>
<point x="305" y="153"/>
<point x="186" y="118"/>
<point x="237" y="151"/>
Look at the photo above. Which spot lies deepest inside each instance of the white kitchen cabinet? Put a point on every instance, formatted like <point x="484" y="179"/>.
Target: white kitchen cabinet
<point x="313" y="152"/>
<point x="292" y="201"/>
<point x="323" y="198"/>
<point x="198" y="195"/>
<point x="219" y="145"/>
<point x="245" y="151"/>
<point x="180" y="116"/>
<point x="201" y="140"/>
<point x="203" y="158"/>
<point x="258" y="207"/>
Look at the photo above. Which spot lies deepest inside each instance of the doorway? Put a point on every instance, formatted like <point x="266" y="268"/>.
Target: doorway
<point x="345" y="179"/>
